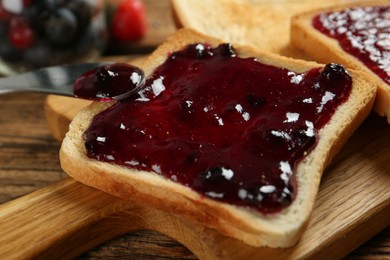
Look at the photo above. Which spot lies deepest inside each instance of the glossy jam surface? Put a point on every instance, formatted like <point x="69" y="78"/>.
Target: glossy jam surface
<point x="363" y="32"/>
<point x="230" y="128"/>
<point x="109" y="82"/>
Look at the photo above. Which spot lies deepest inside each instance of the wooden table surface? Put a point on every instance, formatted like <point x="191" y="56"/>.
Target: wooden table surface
<point x="29" y="161"/>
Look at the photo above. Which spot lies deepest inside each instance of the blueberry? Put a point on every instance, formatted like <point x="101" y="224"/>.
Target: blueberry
<point x="61" y="27"/>
<point x="38" y="13"/>
<point x="86" y="42"/>
<point x="335" y="72"/>
<point x="38" y="55"/>
<point x="83" y="13"/>
<point x="3" y="30"/>
<point x="46" y="4"/>
<point x="91" y="39"/>
<point x="9" y="53"/>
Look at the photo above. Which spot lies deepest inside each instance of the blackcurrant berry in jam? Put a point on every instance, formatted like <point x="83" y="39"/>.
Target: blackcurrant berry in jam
<point x="226" y="50"/>
<point x="213" y="174"/>
<point x="200" y="50"/>
<point x="109" y="82"/>
<point x="285" y="197"/>
<point x="335" y="72"/>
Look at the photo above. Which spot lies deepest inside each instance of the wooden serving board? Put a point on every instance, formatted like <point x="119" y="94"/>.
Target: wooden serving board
<point x="68" y="218"/>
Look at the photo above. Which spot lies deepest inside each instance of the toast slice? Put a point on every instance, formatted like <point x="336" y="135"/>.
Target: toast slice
<point x="259" y="23"/>
<point x="281" y="229"/>
<point x="327" y="49"/>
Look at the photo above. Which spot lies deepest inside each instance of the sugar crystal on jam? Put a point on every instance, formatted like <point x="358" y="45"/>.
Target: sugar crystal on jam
<point x="363" y="32"/>
<point x="230" y="128"/>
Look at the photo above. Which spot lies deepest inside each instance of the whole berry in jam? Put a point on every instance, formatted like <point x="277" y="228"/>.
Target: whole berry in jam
<point x="109" y="82"/>
<point x="227" y="50"/>
<point x="335" y="72"/>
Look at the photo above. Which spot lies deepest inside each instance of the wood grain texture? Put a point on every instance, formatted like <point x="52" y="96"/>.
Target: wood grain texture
<point x="28" y="154"/>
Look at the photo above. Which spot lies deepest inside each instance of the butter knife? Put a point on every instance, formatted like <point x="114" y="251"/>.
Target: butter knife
<point x="57" y="80"/>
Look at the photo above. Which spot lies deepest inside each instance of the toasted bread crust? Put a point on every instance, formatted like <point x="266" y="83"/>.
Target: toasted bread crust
<point x="277" y="230"/>
<point x="262" y="24"/>
<point x="305" y="36"/>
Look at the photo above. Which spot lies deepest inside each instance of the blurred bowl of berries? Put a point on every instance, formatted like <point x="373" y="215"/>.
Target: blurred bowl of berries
<point x="41" y="33"/>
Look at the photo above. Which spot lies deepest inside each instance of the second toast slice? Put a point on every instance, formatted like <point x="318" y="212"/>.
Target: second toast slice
<point x="357" y="46"/>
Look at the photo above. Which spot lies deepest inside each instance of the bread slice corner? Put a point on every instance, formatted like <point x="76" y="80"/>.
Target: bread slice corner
<point x="304" y="37"/>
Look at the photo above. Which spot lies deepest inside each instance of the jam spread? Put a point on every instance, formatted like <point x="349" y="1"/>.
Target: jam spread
<point x="109" y="82"/>
<point x="230" y="128"/>
<point x="363" y="32"/>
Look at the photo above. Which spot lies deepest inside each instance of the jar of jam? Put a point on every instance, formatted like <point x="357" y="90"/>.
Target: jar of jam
<point x="41" y="33"/>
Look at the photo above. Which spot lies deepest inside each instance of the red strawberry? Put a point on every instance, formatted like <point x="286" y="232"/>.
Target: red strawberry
<point x="129" y="21"/>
